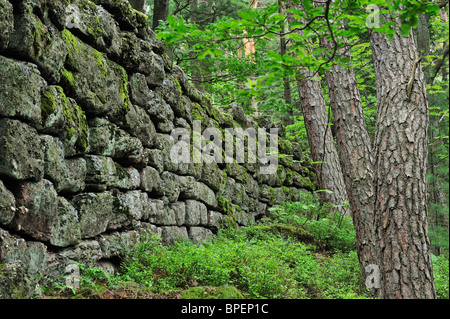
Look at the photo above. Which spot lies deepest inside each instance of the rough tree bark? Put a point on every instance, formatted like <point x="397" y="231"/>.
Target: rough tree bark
<point x="323" y="152"/>
<point x="386" y="183"/>
<point x="355" y="150"/>
<point x="400" y="163"/>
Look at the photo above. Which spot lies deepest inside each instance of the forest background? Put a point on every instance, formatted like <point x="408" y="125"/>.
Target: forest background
<point x="249" y="53"/>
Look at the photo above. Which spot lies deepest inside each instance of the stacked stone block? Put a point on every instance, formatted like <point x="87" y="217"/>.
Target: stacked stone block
<point x="88" y="100"/>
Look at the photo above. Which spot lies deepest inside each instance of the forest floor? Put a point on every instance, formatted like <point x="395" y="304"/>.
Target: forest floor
<point x="298" y="253"/>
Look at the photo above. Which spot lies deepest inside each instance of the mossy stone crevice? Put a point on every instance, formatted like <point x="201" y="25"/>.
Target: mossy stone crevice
<point x="48" y="104"/>
<point x="75" y="131"/>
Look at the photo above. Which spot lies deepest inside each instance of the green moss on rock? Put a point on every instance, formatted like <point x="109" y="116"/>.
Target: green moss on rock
<point x="69" y="79"/>
<point x="226" y="119"/>
<point x="285" y="147"/>
<point x="48" y="104"/>
<point x="75" y="133"/>
<point x="98" y="57"/>
<point x="288" y="179"/>
<point x="42" y="37"/>
<point x="225" y="204"/>
<point x="227" y="208"/>
<point x="124" y="94"/>
<point x="73" y="47"/>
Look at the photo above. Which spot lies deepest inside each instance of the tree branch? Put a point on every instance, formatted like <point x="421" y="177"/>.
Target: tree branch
<point x="440" y="63"/>
<point x="180" y="8"/>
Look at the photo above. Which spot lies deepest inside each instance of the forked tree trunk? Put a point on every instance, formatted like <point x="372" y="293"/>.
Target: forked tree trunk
<point x="387" y="184"/>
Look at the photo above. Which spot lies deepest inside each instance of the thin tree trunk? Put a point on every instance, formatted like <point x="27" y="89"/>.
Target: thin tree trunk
<point x="400" y="165"/>
<point x="288" y="117"/>
<point x="423" y="45"/>
<point x="323" y="151"/>
<point x="160" y="12"/>
<point x="250" y="51"/>
<point x="196" y="74"/>
<point x="355" y="151"/>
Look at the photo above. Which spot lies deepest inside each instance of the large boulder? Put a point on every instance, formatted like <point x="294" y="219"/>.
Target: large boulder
<point x="30" y="254"/>
<point x="94" y="24"/>
<point x="20" y="90"/>
<point x="37" y="209"/>
<point x="172" y="234"/>
<point x="42" y="44"/>
<point x="99" y="84"/>
<point x="200" y="234"/>
<point x="62" y="116"/>
<point x="196" y="213"/>
<point x="66" y="230"/>
<point x="67" y="175"/>
<point x="139" y="124"/>
<point x="95" y="212"/>
<point x="21" y="155"/>
<point x="150" y="179"/>
<point x="138" y="56"/>
<point x="6" y="23"/>
<point x="7" y="205"/>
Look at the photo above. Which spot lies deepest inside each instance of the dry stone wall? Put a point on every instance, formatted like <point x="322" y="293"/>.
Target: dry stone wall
<point x="88" y="100"/>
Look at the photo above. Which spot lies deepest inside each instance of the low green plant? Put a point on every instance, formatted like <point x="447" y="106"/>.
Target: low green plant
<point x="259" y="268"/>
<point x="300" y="251"/>
<point x="95" y="279"/>
<point x="260" y="263"/>
<point x="55" y="287"/>
<point x="92" y="280"/>
<point x="441" y="276"/>
<point x="331" y="231"/>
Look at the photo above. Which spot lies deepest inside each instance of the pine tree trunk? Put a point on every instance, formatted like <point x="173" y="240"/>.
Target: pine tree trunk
<point x="436" y="195"/>
<point x="387" y="184"/>
<point x="355" y="151"/>
<point x="400" y="165"/>
<point x="323" y="151"/>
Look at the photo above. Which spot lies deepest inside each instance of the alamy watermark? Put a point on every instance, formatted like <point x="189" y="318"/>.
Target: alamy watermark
<point x="373" y="19"/>
<point x="72" y="274"/>
<point x="226" y="146"/>
<point x="373" y="277"/>
<point x="73" y="16"/>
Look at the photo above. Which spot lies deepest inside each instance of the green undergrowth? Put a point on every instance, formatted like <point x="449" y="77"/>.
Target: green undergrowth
<point x="303" y="251"/>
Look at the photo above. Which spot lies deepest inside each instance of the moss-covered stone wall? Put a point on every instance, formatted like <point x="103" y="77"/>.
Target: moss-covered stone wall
<point x="88" y="100"/>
